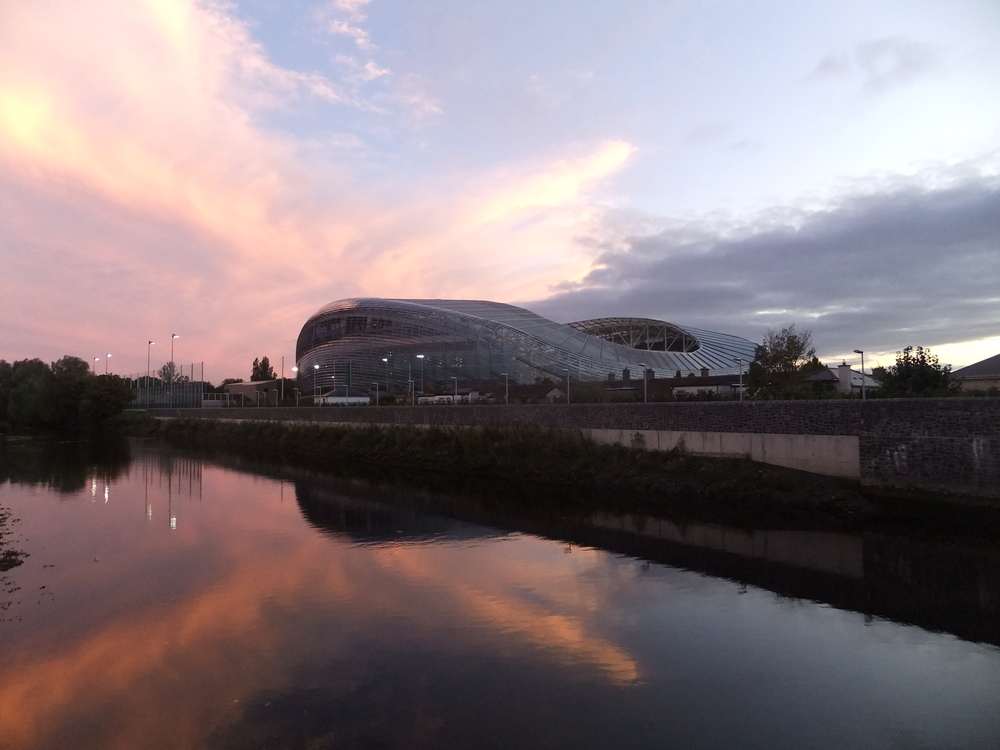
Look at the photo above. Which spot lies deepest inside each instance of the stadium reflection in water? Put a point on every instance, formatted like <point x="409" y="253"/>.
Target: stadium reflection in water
<point x="204" y="606"/>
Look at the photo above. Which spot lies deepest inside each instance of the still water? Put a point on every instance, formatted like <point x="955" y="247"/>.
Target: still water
<point x="170" y="602"/>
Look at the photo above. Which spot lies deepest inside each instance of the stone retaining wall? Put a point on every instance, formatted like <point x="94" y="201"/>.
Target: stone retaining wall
<point x="951" y="443"/>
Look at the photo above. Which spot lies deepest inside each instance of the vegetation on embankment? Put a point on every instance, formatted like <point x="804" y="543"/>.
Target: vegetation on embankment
<point x="63" y="397"/>
<point x="567" y="474"/>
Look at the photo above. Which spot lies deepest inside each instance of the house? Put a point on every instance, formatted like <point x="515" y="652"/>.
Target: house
<point x="256" y="392"/>
<point x="344" y="397"/>
<point x="980" y="376"/>
<point x="844" y="379"/>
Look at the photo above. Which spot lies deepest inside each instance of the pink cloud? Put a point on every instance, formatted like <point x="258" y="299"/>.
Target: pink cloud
<point x="140" y="197"/>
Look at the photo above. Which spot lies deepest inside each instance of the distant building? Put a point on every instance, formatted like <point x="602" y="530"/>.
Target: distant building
<point x="425" y="344"/>
<point x="342" y="397"/>
<point x="263" y="392"/>
<point x="981" y="376"/>
<point x="843" y="379"/>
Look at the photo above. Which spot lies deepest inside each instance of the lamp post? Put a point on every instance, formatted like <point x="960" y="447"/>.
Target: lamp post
<point x="172" y="337"/>
<point x="739" y="361"/>
<point x="644" y="379"/>
<point x="296" y="395"/>
<point x="455" y="402"/>
<point x="282" y="379"/>
<point x="150" y="344"/>
<point x="375" y="383"/>
<point x="410" y="383"/>
<point x="94" y="366"/>
<point x="315" y="383"/>
<point x="862" y="353"/>
<point x="506" y="389"/>
<point x="421" y="358"/>
<point x="296" y="371"/>
<point x="106" y="358"/>
<point x="386" y="360"/>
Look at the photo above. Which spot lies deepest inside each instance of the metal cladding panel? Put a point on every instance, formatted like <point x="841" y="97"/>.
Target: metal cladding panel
<point x="379" y="340"/>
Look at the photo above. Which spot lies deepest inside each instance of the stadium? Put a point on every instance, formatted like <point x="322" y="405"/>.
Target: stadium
<point x="361" y="342"/>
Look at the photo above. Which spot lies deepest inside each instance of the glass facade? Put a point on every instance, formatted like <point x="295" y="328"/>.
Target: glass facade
<point x="432" y="342"/>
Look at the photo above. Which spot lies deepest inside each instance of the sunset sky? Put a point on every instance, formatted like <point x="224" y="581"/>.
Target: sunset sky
<point x="222" y="170"/>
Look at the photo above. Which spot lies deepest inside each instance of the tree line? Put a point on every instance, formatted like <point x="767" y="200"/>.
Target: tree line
<point x="786" y="358"/>
<point x="62" y="396"/>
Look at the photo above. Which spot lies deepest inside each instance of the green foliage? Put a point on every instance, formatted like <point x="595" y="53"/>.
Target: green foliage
<point x="779" y="364"/>
<point x="262" y="370"/>
<point x="168" y="374"/>
<point x="917" y="372"/>
<point x="63" y="396"/>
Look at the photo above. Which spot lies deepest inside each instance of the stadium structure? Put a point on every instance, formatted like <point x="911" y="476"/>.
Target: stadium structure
<point x="431" y="343"/>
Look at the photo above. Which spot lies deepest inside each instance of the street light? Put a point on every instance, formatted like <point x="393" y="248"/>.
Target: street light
<point x="643" y="366"/>
<point x="106" y="363"/>
<point x="412" y="394"/>
<point x="386" y="360"/>
<point x="315" y="384"/>
<point x="172" y="337"/>
<point x="506" y="390"/>
<point x="421" y="358"/>
<point x="456" y="389"/>
<point x="375" y="383"/>
<point x="739" y="360"/>
<point x="296" y="371"/>
<point x="862" y="353"/>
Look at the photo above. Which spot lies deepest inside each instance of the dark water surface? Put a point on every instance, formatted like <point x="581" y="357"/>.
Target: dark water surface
<point x="170" y="602"/>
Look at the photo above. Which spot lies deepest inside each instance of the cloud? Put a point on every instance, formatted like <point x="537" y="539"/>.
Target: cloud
<point x="905" y="266"/>
<point x="881" y="64"/>
<point x="140" y="194"/>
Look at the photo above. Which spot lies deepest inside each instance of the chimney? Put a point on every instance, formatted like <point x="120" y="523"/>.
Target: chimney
<point x="704" y="372"/>
<point x="611" y="377"/>
<point x="844" y="378"/>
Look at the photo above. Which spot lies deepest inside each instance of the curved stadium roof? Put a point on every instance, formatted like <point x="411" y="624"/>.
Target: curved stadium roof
<point x="477" y="340"/>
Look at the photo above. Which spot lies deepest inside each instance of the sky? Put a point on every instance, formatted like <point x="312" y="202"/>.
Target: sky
<point x="222" y="170"/>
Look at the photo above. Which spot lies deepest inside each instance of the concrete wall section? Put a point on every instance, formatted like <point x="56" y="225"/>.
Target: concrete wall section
<point x="832" y="455"/>
<point x="947" y="443"/>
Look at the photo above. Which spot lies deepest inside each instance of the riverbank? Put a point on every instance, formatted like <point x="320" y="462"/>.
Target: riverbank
<point x="557" y="472"/>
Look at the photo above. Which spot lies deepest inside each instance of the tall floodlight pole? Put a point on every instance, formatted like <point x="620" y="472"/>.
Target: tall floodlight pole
<point x="386" y="360"/>
<point x="456" y="389"/>
<point x="296" y="371"/>
<point x="315" y="383"/>
<point x="150" y="344"/>
<point x="739" y="361"/>
<point x="644" y="378"/>
<point x="172" y="337"/>
<point x="94" y="366"/>
<point x="506" y="389"/>
<point x="421" y="358"/>
<point x="862" y="353"/>
<point x="106" y="358"/>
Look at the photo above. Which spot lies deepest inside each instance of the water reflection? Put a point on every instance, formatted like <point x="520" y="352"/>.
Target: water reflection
<point x="207" y="607"/>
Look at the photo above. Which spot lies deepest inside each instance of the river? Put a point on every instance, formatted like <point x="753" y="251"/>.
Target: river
<point x="170" y="602"/>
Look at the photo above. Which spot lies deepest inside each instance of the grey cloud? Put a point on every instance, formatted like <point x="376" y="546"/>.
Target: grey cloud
<point x="884" y="271"/>
<point x="881" y="63"/>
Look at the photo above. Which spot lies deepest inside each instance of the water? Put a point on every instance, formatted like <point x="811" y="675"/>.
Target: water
<point x="170" y="602"/>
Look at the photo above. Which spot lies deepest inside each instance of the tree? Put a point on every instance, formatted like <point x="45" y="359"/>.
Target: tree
<point x="168" y="374"/>
<point x="778" y="364"/>
<point x="262" y="370"/>
<point x="917" y="372"/>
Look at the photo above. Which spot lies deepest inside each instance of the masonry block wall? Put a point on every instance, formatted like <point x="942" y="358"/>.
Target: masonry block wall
<point x="951" y="443"/>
